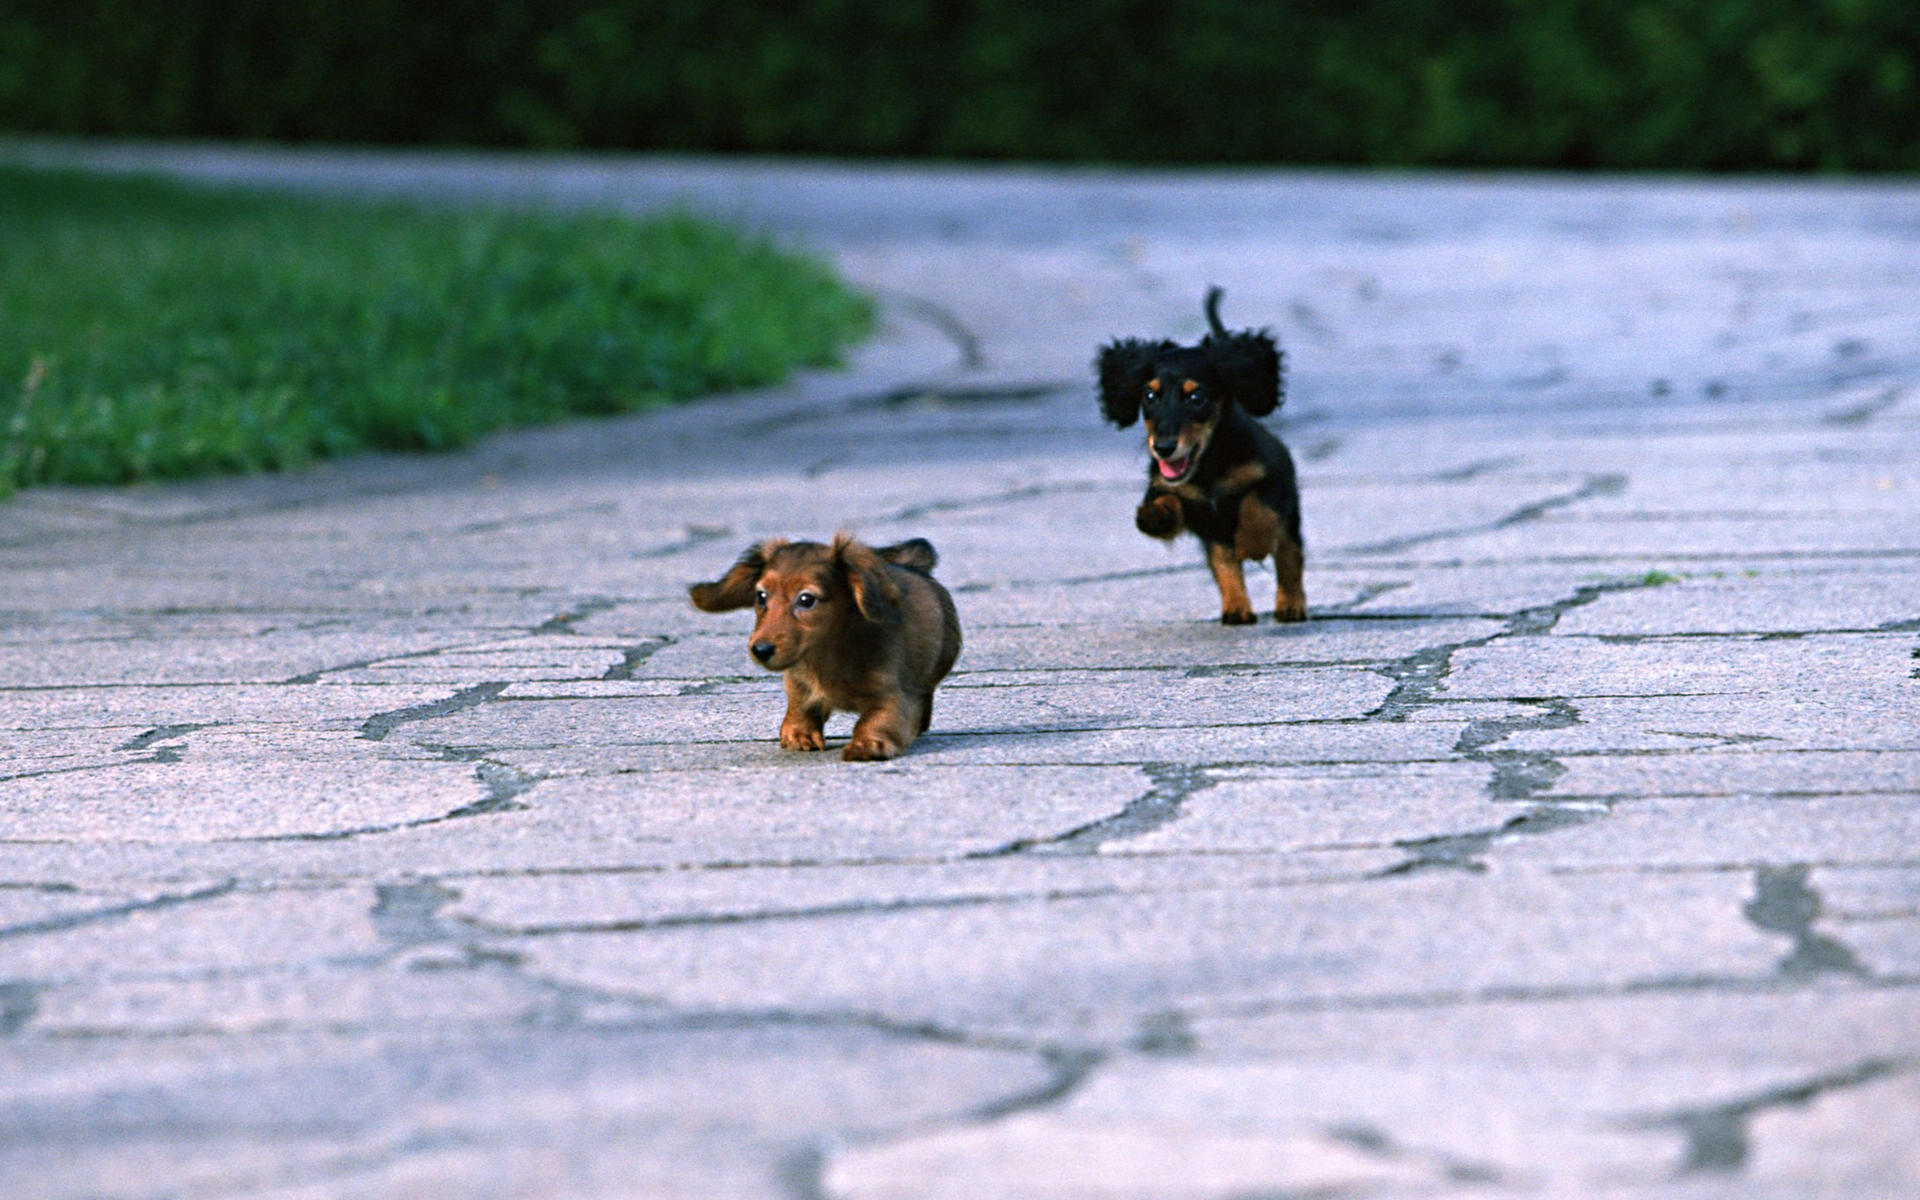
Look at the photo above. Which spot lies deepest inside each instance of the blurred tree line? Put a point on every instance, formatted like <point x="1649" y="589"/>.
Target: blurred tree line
<point x="1714" y="84"/>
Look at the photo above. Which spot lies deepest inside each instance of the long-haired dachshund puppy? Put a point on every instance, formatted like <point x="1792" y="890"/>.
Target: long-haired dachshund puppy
<point x="1216" y="472"/>
<point x="855" y="629"/>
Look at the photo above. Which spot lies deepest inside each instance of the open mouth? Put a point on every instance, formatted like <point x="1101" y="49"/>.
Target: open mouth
<point x="1173" y="470"/>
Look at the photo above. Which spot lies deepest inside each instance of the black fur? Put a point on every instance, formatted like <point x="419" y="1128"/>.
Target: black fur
<point x="1200" y="403"/>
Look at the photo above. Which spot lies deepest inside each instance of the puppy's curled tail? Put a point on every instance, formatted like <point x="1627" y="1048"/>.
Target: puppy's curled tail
<point x="915" y="554"/>
<point x="1214" y="292"/>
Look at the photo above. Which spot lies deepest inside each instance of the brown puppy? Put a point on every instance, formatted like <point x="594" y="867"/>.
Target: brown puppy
<point x="855" y="629"/>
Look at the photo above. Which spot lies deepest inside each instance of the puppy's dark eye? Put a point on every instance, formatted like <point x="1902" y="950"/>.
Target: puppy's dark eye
<point x="805" y="600"/>
<point x="760" y="597"/>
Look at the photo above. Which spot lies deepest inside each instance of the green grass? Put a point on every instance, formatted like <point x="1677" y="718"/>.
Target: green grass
<point x="154" y="330"/>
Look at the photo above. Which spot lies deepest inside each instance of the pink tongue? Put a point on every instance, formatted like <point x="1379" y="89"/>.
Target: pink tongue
<point x="1171" y="470"/>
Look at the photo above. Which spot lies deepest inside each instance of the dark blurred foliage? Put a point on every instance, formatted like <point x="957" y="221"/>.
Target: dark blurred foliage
<point x="1717" y="84"/>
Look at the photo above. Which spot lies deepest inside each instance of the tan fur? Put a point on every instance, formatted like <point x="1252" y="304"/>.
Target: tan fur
<point x="852" y="630"/>
<point x="1192" y="441"/>
<point x="1259" y="536"/>
<point x="1235" y="608"/>
<point x="1289" y="596"/>
<point x="1258" y="530"/>
<point x="1243" y="476"/>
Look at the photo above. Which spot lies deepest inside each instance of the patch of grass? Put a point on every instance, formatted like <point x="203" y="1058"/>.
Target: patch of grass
<point x="1659" y="578"/>
<point x="152" y="330"/>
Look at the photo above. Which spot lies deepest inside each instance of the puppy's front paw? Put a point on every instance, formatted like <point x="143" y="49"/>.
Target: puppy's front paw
<point x="1237" y="616"/>
<point x="1293" y="608"/>
<point x="866" y="747"/>
<point x="1159" y="517"/>
<point x="801" y="737"/>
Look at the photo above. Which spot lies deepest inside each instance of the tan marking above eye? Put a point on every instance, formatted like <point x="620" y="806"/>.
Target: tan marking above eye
<point x="1153" y="385"/>
<point x="1189" y="387"/>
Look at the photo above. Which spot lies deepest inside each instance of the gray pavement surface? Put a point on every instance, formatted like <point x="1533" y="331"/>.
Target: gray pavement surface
<point x="398" y="829"/>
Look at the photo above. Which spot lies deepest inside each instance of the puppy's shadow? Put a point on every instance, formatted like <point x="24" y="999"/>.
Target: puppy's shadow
<point x="935" y="740"/>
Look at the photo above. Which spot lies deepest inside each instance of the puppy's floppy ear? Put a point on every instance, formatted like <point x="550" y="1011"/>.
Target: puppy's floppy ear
<point x="735" y="589"/>
<point x="1124" y="367"/>
<point x="875" y="593"/>
<point x="1249" y="366"/>
<point x="915" y="554"/>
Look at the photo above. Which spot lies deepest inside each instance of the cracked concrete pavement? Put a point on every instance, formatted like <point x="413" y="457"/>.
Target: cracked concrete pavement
<point x="398" y="829"/>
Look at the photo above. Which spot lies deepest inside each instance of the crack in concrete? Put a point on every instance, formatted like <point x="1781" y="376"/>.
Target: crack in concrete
<point x="803" y="1173"/>
<point x="1070" y="1067"/>
<point x="378" y="726"/>
<point x="1541" y="993"/>
<point x="315" y="676"/>
<point x="19" y="1002"/>
<point x="563" y="622"/>
<point x="1366" y="594"/>
<point x="1321" y="450"/>
<point x="1784" y="903"/>
<point x="1862" y="413"/>
<point x="1744" y="635"/>
<point x="949" y="325"/>
<point x="158" y="756"/>
<point x="1608" y="484"/>
<point x="1417" y="676"/>
<point x="327" y="1173"/>
<point x="504" y="783"/>
<point x="1475" y="469"/>
<point x="160" y="733"/>
<point x="1463" y="851"/>
<point x="1517" y="774"/>
<point x="407" y="914"/>
<point x="1718" y="741"/>
<point x="1376" y="1143"/>
<point x="936" y="396"/>
<point x="1165" y="1034"/>
<point x="632" y="656"/>
<point x="92" y="916"/>
<point x="850" y="908"/>
<point x="1159" y="805"/>
<point x="1718" y="1138"/>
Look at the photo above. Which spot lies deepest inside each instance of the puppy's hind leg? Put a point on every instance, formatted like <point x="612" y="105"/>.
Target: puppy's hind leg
<point x="1235" y="608"/>
<point x="884" y="730"/>
<point x="1289" y="595"/>
<point x="1259" y="535"/>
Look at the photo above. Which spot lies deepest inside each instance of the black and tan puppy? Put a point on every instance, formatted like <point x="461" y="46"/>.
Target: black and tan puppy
<point x="1216" y="472"/>
<point x="855" y="629"/>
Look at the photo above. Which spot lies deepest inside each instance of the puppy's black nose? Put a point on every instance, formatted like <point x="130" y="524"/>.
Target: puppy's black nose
<point x="1166" y="447"/>
<point x="763" y="650"/>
